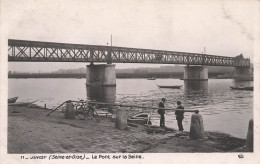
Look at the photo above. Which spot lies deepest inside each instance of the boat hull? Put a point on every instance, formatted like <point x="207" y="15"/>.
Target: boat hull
<point x="243" y="88"/>
<point x="138" y="121"/>
<point x="141" y="119"/>
<point x="12" y="100"/>
<point x="173" y="87"/>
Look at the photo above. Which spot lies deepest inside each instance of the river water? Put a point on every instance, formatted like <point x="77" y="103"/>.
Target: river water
<point x="222" y="109"/>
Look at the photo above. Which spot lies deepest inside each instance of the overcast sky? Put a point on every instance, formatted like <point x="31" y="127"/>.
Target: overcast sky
<point x="224" y="28"/>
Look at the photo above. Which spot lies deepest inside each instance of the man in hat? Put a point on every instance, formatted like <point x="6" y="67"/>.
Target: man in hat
<point x="162" y="112"/>
<point x="179" y="115"/>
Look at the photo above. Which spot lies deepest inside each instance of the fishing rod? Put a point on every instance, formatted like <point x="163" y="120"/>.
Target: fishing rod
<point x="160" y="89"/>
<point x="164" y="94"/>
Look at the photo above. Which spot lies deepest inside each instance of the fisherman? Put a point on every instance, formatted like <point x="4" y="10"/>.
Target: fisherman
<point x="179" y="115"/>
<point x="162" y="112"/>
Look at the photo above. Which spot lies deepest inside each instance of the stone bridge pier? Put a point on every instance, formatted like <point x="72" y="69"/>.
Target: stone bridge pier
<point x="195" y="73"/>
<point x="101" y="75"/>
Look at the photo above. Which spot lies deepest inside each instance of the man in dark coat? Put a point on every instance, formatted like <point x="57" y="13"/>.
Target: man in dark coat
<point x="162" y="112"/>
<point x="179" y="115"/>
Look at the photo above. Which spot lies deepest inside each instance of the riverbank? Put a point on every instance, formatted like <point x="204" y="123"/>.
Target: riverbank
<point x="31" y="131"/>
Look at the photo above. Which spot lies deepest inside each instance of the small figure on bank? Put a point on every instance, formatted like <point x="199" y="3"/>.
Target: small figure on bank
<point x="162" y="112"/>
<point x="179" y="115"/>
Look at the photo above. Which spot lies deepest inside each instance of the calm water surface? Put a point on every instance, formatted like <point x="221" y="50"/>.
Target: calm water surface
<point x="222" y="109"/>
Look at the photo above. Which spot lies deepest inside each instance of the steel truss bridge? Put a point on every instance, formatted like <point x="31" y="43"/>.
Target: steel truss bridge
<point x="34" y="51"/>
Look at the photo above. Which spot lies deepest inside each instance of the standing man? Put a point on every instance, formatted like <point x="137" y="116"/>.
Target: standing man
<point x="179" y="115"/>
<point x="162" y="112"/>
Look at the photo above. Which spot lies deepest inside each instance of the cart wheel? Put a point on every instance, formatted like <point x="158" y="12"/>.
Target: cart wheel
<point x="95" y="115"/>
<point x="89" y="113"/>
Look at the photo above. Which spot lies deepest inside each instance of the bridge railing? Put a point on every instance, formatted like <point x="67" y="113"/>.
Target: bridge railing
<point x="20" y="50"/>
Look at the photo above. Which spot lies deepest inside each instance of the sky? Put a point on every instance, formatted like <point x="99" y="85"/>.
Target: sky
<point x="225" y="28"/>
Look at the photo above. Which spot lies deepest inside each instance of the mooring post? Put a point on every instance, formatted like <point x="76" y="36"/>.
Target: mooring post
<point x="196" y="126"/>
<point x="69" y="112"/>
<point x="121" y="119"/>
<point x="250" y="135"/>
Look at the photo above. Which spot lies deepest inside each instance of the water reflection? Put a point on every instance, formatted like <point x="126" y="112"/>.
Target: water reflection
<point x="194" y="86"/>
<point x="101" y="93"/>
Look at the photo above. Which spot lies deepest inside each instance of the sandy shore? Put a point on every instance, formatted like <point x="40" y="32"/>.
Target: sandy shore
<point x="31" y="131"/>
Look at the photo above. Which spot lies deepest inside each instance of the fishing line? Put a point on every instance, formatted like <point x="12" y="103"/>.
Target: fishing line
<point x="160" y="89"/>
<point x="164" y="94"/>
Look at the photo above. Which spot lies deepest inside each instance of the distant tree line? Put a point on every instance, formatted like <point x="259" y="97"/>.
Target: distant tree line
<point x="159" y="72"/>
<point x="118" y="75"/>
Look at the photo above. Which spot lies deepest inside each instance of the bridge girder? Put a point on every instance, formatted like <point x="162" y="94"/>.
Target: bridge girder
<point x="34" y="51"/>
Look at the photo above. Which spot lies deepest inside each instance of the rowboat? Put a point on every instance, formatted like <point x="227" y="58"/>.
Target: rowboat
<point x="21" y="103"/>
<point x="152" y="78"/>
<point x="243" y="88"/>
<point x="140" y="118"/>
<point x="170" y="86"/>
<point x="12" y="100"/>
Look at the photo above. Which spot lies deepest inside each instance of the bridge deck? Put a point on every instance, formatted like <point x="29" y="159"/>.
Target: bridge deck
<point x="34" y="51"/>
